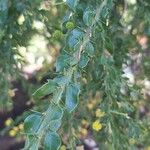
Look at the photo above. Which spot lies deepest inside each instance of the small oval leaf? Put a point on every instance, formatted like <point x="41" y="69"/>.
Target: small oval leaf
<point x="72" y="93"/>
<point x="32" y="123"/>
<point x="88" y="17"/>
<point x="72" y="4"/>
<point x="51" y="141"/>
<point x="55" y="125"/>
<point x="46" y="89"/>
<point x="62" y="62"/>
<point x="89" y="48"/>
<point x="83" y="61"/>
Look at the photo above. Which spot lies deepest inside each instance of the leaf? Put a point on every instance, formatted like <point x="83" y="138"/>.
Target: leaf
<point x="72" y="42"/>
<point x="88" y="17"/>
<point x="89" y="48"/>
<point x="3" y="5"/>
<point x="3" y="12"/>
<point x="103" y="60"/>
<point x="57" y="95"/>
<point x="72" y="93"/>
<point x="77" y="33"/>
<point x="74" y="38"/>
<point x="32" y="143"/>
<point x="51" y="141"/>
<point x="72" y="4"/>
<point x="32" y="123"/>
<point x="83" y="61"/>
<point x="20" y="6"/>
<point x="62" y="62"/>
<point x="46" y="89"/>
<point x="104" y="12"/>
<point x="62" y="80"/>
<point x="54" y="113"/>
<point x="55" y="125"/>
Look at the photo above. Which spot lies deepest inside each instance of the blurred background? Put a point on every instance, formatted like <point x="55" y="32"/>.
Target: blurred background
<point x="28" y="50"/>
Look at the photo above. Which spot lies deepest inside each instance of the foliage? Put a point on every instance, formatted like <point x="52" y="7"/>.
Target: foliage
<point x="90" y="50"/>
<point x="17" y="20"/>
<point x="89" y="84"/>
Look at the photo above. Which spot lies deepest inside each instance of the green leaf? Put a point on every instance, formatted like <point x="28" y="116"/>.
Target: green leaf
<point x="103" y="60"/>
<point x="72" y="93"/>
<point x="83" y="61"/>
<point x="4" y="5"/>
<point x="77" y="33"/>
<point x="57" y="95"/>
<point x="104" y="12"/>
<point x="32" y="143"/>
<point x="51" y="141"/>
<point x="72" y="4"/>
<point x="55" y="125"/>
<point x="62" y="62"/>
<point x="88" y="17"/>
<point x="32" y="123"/>
<point x="62" y="80"/>
<point x="72" y="42"/>
<point x="74" y="38"/>
<point x="89" y="48"/>
<point x="46" y="89"/>
<point x="54" y="113"/>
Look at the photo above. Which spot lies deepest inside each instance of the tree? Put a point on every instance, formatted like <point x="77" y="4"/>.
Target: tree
<point x="98" y="38"/>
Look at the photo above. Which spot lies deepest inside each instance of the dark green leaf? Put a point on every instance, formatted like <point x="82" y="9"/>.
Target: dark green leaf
<point x="83" y="61"/>
<point x="72" y="42"/>
<point x="74" y="38"/>
<point x="89" y="49"/>
<point x="77" y="33"/>
<point x="54" y="113"/>
<point x="55" y="124"/>
<point x="46" y="89"/>
<point x="72" y="4"/>
<point x="72" y="93"/>
<point x="104" y="12"/>
<point x="51" y="141"/>
<point x="62" y="62"/>
<point x="32" y="143"/>
<point x="88" y="17"/>
<point x="32" y="123"/>
<point x="62" y="80"/>
<point x="57" y="95"/>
